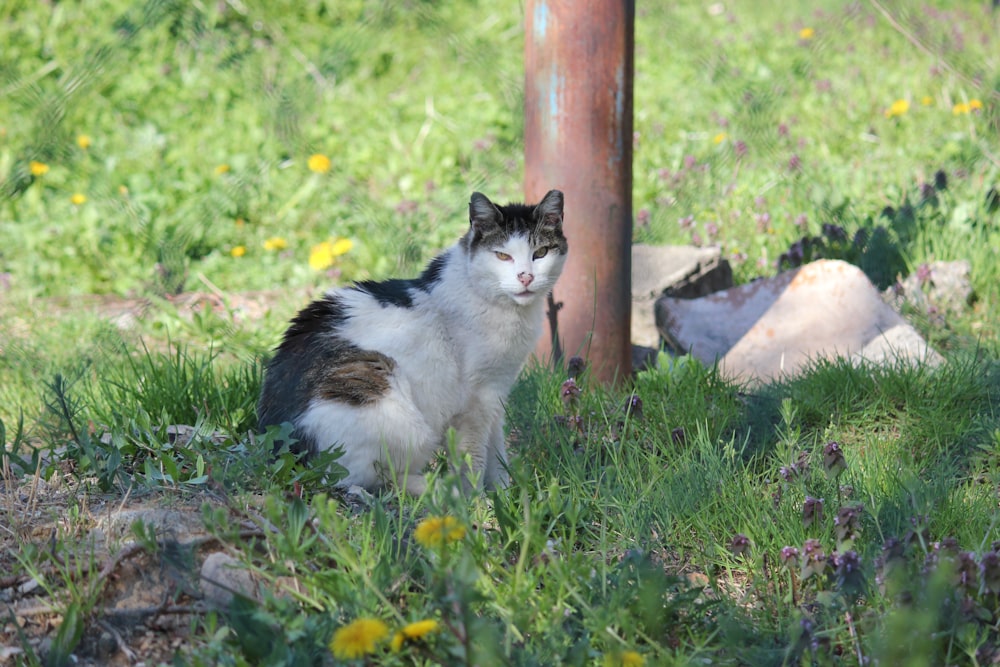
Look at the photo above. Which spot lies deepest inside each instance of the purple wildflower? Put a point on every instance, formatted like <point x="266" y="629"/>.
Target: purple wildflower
<point x="570" y="394"/>
<point x="847" y="522"/>
<point x="739" y="545"/>
<point x="833" y="459"/>
<point x="789" y="556"/>
<point x="924" y="273"/>
<point x="812" y="511"/>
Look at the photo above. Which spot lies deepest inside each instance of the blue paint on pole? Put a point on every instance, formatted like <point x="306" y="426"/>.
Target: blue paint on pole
<point x="541" y="19"/>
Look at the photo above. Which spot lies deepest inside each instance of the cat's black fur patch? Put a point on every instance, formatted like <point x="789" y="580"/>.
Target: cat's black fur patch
<point x="432" y="274"/>
<point x="320" y="316"/>
<point x="312" y="361"/>
<point x="397" y="291"/>
<point x="394" y="292"/>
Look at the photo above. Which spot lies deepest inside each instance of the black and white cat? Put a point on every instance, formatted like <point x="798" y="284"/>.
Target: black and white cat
<point x="385" y="369"/>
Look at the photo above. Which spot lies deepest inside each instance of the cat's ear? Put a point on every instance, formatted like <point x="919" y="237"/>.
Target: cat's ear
<point x="482" y="212"/>
<point x="549" y="211"/>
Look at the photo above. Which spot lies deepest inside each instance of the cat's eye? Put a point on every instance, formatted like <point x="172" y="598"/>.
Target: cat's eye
<point x="502" y="256"/>
<point x="541" y="252"/>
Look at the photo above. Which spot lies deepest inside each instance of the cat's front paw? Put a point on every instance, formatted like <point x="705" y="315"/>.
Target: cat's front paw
<point x="415" y="485"/>
<point x="498" y="481"/>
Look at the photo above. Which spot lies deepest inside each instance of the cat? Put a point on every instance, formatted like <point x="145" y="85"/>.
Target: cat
<point x="385" y="369"/>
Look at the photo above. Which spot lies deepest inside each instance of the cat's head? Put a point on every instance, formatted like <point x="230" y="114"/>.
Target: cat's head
<point x="516" y="251"/>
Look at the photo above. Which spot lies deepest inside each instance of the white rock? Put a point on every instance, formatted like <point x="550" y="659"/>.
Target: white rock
<point x="773" y="327"/>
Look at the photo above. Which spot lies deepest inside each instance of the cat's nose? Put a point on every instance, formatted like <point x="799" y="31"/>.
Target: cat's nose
<point x="525" y="278"/>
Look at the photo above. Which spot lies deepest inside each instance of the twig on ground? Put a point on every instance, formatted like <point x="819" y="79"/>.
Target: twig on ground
<point x="114" y="612"/>
<point x="119" y="640"/>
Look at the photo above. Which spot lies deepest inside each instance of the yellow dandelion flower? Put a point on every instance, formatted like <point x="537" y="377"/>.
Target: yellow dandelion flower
<point x="632" y="659"/>
<point x="83" y="141"/>
<point x="414" y="632"/>
<point x="897" y="108"/>
<point x="624" y="659"/>
<point x="420" y="629"/>
<point x="275" y="243"/>
<point x="927" y="100"/>
<point x="975" y="105"/>
<point x="320" y="257"/>
<point x="960" y="108"/>
<point x="807" y="33"/>
<point x="123" y="190"/>
<point x="341" y="247"/>
<point x="323" y="255"/>
<point x="78" y="198"/>
<point x="436" y="530"/>
<point x="238" y="251"/>
<point x="720" y="137"/>
<point x="222" y="169"/>
<point x="358" y="638"/>
<point x="318" y="163"/>
<point x="38" y="168"/>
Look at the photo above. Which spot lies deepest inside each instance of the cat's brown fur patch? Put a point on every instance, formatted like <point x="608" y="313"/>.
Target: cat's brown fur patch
<point x="359" y="377"/>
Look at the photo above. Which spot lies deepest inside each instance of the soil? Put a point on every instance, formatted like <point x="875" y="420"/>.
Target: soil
<point x="62" y="543"/>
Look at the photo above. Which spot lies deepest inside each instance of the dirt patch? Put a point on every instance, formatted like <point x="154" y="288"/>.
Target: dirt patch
<point x="69" y="555"/>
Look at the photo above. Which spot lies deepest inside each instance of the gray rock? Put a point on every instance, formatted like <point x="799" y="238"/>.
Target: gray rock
<point x="222" y="576"/>
<point x="643" y="357"/>
<point x="773" y="327"/>
<point x="680" y="271"/>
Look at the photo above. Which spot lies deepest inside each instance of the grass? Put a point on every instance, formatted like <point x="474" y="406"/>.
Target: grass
<point x="161" y="202"/>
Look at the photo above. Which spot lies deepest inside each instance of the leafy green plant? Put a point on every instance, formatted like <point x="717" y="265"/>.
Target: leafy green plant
<point x="180" y="387"/>
<point x="89" y="455"/>
<point x="17" y="457"/>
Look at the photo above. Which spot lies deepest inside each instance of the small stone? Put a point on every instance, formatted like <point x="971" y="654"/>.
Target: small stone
<point x="360" y="494"/>
<point x="106" y="646"/>
<point x="222" y="576"/>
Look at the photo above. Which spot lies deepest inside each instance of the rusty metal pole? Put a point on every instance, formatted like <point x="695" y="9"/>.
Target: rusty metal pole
<point x="578" y="139"/>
